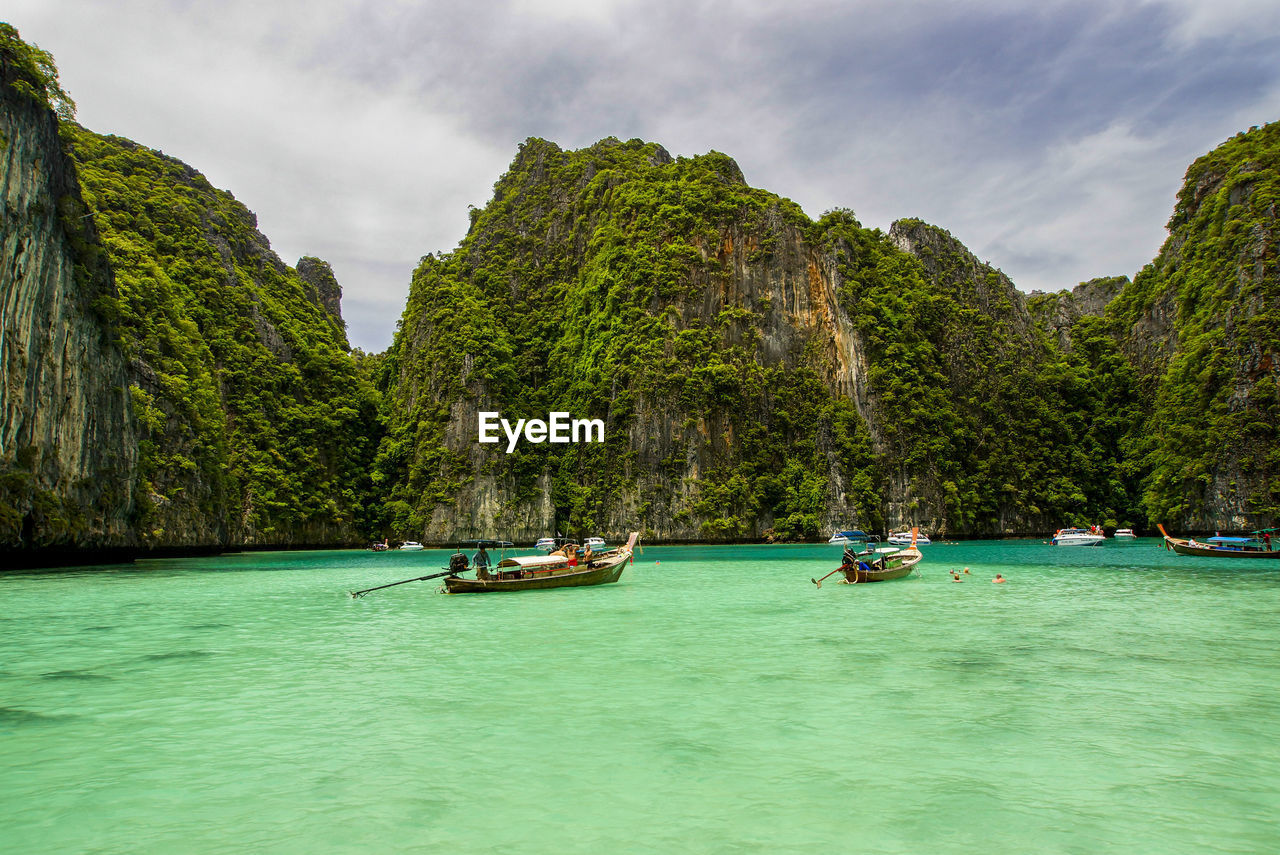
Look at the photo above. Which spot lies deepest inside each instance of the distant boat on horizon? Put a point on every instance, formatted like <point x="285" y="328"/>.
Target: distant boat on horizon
<point x="410" y="546"/>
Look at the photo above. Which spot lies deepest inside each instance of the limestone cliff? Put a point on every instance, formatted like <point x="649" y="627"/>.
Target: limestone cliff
<point x="1201" y="325"/>
<point x="323" y="290"/>
<point x="68" y="445"/>
<point x="257" y="427"/>
<point x="756" y="369"/>
<point x="1057" y="313"/>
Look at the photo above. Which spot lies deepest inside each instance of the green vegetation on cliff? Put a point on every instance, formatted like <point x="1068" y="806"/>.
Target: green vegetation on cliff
<point x="615" y="282"/>
<point x="581" y="288"/>
<point x="257" y="424"/>
<point x="755" y="369"/>
<point x="1212" y="443"/>
<point x="33" y="72"/>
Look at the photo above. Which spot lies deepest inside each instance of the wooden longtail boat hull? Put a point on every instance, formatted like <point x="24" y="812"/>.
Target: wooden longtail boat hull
<point x="1183" y="547"/>
<point x="901" y="565"/>
<point x="603" y="570"/>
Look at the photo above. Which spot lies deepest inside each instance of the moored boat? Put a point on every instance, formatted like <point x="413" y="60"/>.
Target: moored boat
<point x="1124" y="534"/>
<point x="875" y="565"/>
<point x="594" y="542"/>
<point x="1222" y="547"/>
<point x="847" y="536"/>
<point x="903" y="538"/>
<point x="536" y="572"/>
<point x="410" y="546"/>
<point x="1077" y="537"/>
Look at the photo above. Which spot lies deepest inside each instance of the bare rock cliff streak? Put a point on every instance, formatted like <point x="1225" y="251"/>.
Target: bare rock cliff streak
<point x="68" y="442"/>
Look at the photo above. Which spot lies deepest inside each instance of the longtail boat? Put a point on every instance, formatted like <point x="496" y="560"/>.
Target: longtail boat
<point x="1221" y="547"/>
<point x="561" y="569"/>
<point x="872" y="565"/>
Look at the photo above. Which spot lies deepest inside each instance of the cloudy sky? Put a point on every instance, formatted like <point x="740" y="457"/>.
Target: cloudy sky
<point x="1049" y="137"/>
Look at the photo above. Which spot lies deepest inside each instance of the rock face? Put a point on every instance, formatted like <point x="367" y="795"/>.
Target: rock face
<point x="323" y="289"/>
<point x="681" y="341"/>
<point x="1200" y="325"/>
<point x="68" y="441"/>
<point x="1058" y="313"/>
<point x="755" y="370"/>
<point x="257" y="427"/>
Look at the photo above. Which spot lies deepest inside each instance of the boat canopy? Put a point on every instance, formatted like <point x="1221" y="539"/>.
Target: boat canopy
<point x="1229" y="540"/>
<point x="526" y="561"/>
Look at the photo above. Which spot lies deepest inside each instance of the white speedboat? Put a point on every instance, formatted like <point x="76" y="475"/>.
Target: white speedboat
<point x="1076" y="537"/>
<point x="410" y="546"/>
<point x="847" y="536"/>
<point x="594" y="543"/>
<point x="1124" y="534"/>
<point x="545" y="544"/>
<point x="903" y="538"/>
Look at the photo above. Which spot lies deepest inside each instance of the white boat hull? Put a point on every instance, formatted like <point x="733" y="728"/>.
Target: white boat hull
<point x="903" y="538"/>
<point x="1078" y="540"/>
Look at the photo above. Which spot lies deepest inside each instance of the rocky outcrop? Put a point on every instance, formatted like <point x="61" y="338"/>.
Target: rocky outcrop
<point x="1200" y="323"/>
<point x="1057" y="313"/>
<point x="68" y="441"/>
<point x="323" y="289"/>
<point x="256" y="425"/>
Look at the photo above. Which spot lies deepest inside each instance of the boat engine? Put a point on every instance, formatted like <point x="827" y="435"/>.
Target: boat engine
<point x="457" y="563"/>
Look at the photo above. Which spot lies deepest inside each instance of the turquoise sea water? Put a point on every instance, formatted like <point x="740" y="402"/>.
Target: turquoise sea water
<point x="1114" y="698"/>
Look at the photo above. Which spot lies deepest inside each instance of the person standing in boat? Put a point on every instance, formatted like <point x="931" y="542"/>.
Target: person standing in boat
<point x="481" y="558"/>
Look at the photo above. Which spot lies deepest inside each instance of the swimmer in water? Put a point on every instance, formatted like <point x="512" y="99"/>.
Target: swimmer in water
<point x="998" y="580"/>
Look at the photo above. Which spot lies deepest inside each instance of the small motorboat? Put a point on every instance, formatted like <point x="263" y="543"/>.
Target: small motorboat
<point x="546" y="544"/>
<point x="1077" y="537"/>
<point x="594" y="543"/>
<point x="1124" y="534"/>
<point x="903" y="538"/>
<point x="410" y="546"/>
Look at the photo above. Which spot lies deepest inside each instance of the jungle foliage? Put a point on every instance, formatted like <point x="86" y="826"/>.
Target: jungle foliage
<point x="1214" y="432"/>
<point x="253" y="414"/>
<point x="581" y="287"/>
<point x="33" y="73"/>
<point x="584" y="286"/>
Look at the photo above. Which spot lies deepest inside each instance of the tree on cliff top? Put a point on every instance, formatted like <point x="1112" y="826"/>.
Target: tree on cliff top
<point x="34" y="72"/>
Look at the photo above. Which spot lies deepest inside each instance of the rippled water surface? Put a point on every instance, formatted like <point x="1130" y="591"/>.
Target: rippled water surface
<point x="1115" y="698"/>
